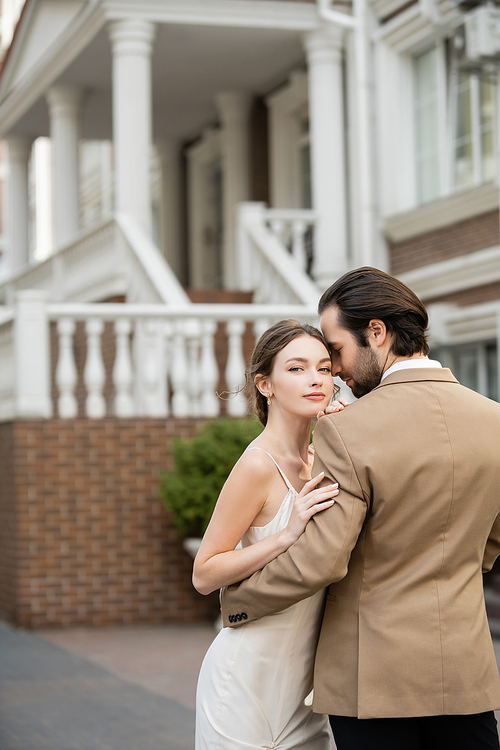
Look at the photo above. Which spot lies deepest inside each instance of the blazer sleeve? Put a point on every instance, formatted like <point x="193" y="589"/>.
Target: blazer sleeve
<point x="320" y="556"/>
<point x="492" y="549"/>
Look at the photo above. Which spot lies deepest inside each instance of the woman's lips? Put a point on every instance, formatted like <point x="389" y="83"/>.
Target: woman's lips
<point x="315" y="396"/>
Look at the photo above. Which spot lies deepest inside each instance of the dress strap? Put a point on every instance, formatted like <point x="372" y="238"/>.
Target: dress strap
<point x="290" y="486"/>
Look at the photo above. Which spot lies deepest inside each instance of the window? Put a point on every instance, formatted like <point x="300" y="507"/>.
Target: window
<point x="454" y="125"/>
<point x="474" y="365"/>
<point x="427" y="125"/>
<point x="472" y="99"/>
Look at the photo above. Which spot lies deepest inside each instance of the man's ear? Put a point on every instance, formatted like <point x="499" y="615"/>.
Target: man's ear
<point x="377" y="332"/>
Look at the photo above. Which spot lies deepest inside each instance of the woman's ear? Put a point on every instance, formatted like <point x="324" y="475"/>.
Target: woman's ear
<point x="262" y="384"/>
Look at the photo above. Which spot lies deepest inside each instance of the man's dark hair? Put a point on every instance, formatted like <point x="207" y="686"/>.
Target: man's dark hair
<point x="366" y="294"/>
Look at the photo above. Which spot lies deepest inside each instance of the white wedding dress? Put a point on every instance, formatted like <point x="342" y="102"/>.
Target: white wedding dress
<point x="254" y="680"/>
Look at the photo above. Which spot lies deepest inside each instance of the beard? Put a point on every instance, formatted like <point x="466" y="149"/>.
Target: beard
<point x="366" y="372"/>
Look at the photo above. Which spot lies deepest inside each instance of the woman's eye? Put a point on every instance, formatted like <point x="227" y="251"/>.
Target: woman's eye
<point x="325" y="369"/>
<point x="295" y="369"/>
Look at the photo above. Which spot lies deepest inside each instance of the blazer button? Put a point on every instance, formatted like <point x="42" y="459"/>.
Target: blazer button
<point x="231" y="618"/>
<point x="238" y="617"/>
<point x="244" y="615"/>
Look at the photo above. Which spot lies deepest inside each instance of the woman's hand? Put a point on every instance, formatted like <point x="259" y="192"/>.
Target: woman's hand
<point x="338" y="405"/>
<point x="308" y="502"/>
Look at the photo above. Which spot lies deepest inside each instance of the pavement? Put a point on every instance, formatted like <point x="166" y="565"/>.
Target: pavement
<point x="127" y="688"/>
<point x="100" y="689"/>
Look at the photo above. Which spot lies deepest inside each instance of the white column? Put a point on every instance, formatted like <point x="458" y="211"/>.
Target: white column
<point x="169" y="151"/>
<point x="234" y="111"/>
<point x="326" y="112"/>
<point x="132" y="43"/>
<point x="42" y="161"/>
<point x="17" y="198"/>
<point x="64" y="112"/>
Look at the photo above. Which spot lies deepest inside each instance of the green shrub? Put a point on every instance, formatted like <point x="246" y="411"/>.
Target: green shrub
<point x="201" y="466"/>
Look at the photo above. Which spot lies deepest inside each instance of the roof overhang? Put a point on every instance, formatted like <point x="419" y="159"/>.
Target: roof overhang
<point x="200" y="48"/>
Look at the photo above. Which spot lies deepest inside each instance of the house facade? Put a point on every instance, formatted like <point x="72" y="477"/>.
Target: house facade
<point x="177" y="175"/>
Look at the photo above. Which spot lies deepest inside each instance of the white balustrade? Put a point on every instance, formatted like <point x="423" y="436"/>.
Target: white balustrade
<point x="235" y="369"/>
<point x="260" y="325"/>
<point x="209" y="373"/>
<point x="192" y="333"/>
<point x="110" y="258"/>
<point x="272" y="257"/>
<point x="122" y="370"/>
<point x="171" y="369"/>
<point x="278" y="228"/>
<point x="299" y="229"/>
<point x="66" y="374"/>
<point x="151" y="381"/>
<point x="291" y="228"/>
<point x="179" y="373"/>
<point x="94" y="374"/>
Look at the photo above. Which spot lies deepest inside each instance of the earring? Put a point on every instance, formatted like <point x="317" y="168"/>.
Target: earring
<point x="269" y="399"/>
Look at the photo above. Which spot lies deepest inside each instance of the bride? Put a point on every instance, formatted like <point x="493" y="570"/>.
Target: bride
<point x="254" y="680"/>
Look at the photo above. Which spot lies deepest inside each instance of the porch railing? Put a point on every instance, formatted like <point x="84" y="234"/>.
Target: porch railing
<point x="114" y="257"/>
<point x="98" y="360"/>
<point x="275" y="253"/>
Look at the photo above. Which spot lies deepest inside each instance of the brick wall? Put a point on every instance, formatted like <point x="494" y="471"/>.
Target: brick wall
<point x="441" y="244"/>
<point x="8" y="536"/>
<point x="83" y="538"/>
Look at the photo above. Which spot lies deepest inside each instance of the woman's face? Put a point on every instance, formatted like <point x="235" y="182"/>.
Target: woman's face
<point x="301" y="381"/>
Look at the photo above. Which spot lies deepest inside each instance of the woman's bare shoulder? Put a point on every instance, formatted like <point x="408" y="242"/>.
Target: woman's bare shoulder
<point x="255" y="465"/>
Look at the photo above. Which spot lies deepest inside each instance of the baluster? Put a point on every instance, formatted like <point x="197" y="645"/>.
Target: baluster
<point x="278" y="227"/>
<point x="122" y="370"/>
<point x="151" y="374"/>
<point x="66" y="374"/>
<point x="167" y="334"/>
<point x="178" y="373"/>
<point x="94" y="374"/>
<point x="192" y="330"/>
<point x="298" y="245"/>
<point x="209" y="372"/>
<point x="235" y="369"/>
<point x="259" y="326"/>
<point x="266" y="290"/>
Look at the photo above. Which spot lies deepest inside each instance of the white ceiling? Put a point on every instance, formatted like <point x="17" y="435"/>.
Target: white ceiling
<point x="190" y="65"/>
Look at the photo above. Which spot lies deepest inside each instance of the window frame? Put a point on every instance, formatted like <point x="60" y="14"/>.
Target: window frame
<point x="446" y="76"/>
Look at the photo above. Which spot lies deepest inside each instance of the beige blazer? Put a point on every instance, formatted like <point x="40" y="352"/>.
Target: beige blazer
<point x="417" y="520"/>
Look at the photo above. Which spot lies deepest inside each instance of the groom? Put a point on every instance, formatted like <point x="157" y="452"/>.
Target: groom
<point x="405" y="659"/>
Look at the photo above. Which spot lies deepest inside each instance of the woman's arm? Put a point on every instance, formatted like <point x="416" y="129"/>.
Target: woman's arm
<point x="243" y="496"/>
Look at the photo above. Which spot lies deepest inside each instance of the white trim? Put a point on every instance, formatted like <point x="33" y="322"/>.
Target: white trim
<point x="336" y="17"/>
<point x="450" y="325"/>
<point x="442" y="213"/>
<point x="14" y="103"/>
<point x="455" y="275"/>
<point x="442" y="117"/>
<point x="268" y="14"/>
<point x="411" y="31"/>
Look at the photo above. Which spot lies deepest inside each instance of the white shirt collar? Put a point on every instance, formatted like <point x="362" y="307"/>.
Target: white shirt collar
<point x="406" y="364"/>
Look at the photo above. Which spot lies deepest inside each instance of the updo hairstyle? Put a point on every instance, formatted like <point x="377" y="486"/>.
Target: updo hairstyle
<point x="264" y="354"/>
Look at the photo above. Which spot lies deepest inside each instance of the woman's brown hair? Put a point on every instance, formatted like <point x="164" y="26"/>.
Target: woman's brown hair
<point x="264" y="355"/>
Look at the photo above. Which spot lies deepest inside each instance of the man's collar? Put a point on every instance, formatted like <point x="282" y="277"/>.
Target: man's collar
<point x="418" y="374"/>
<point x="407" y="364"/>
